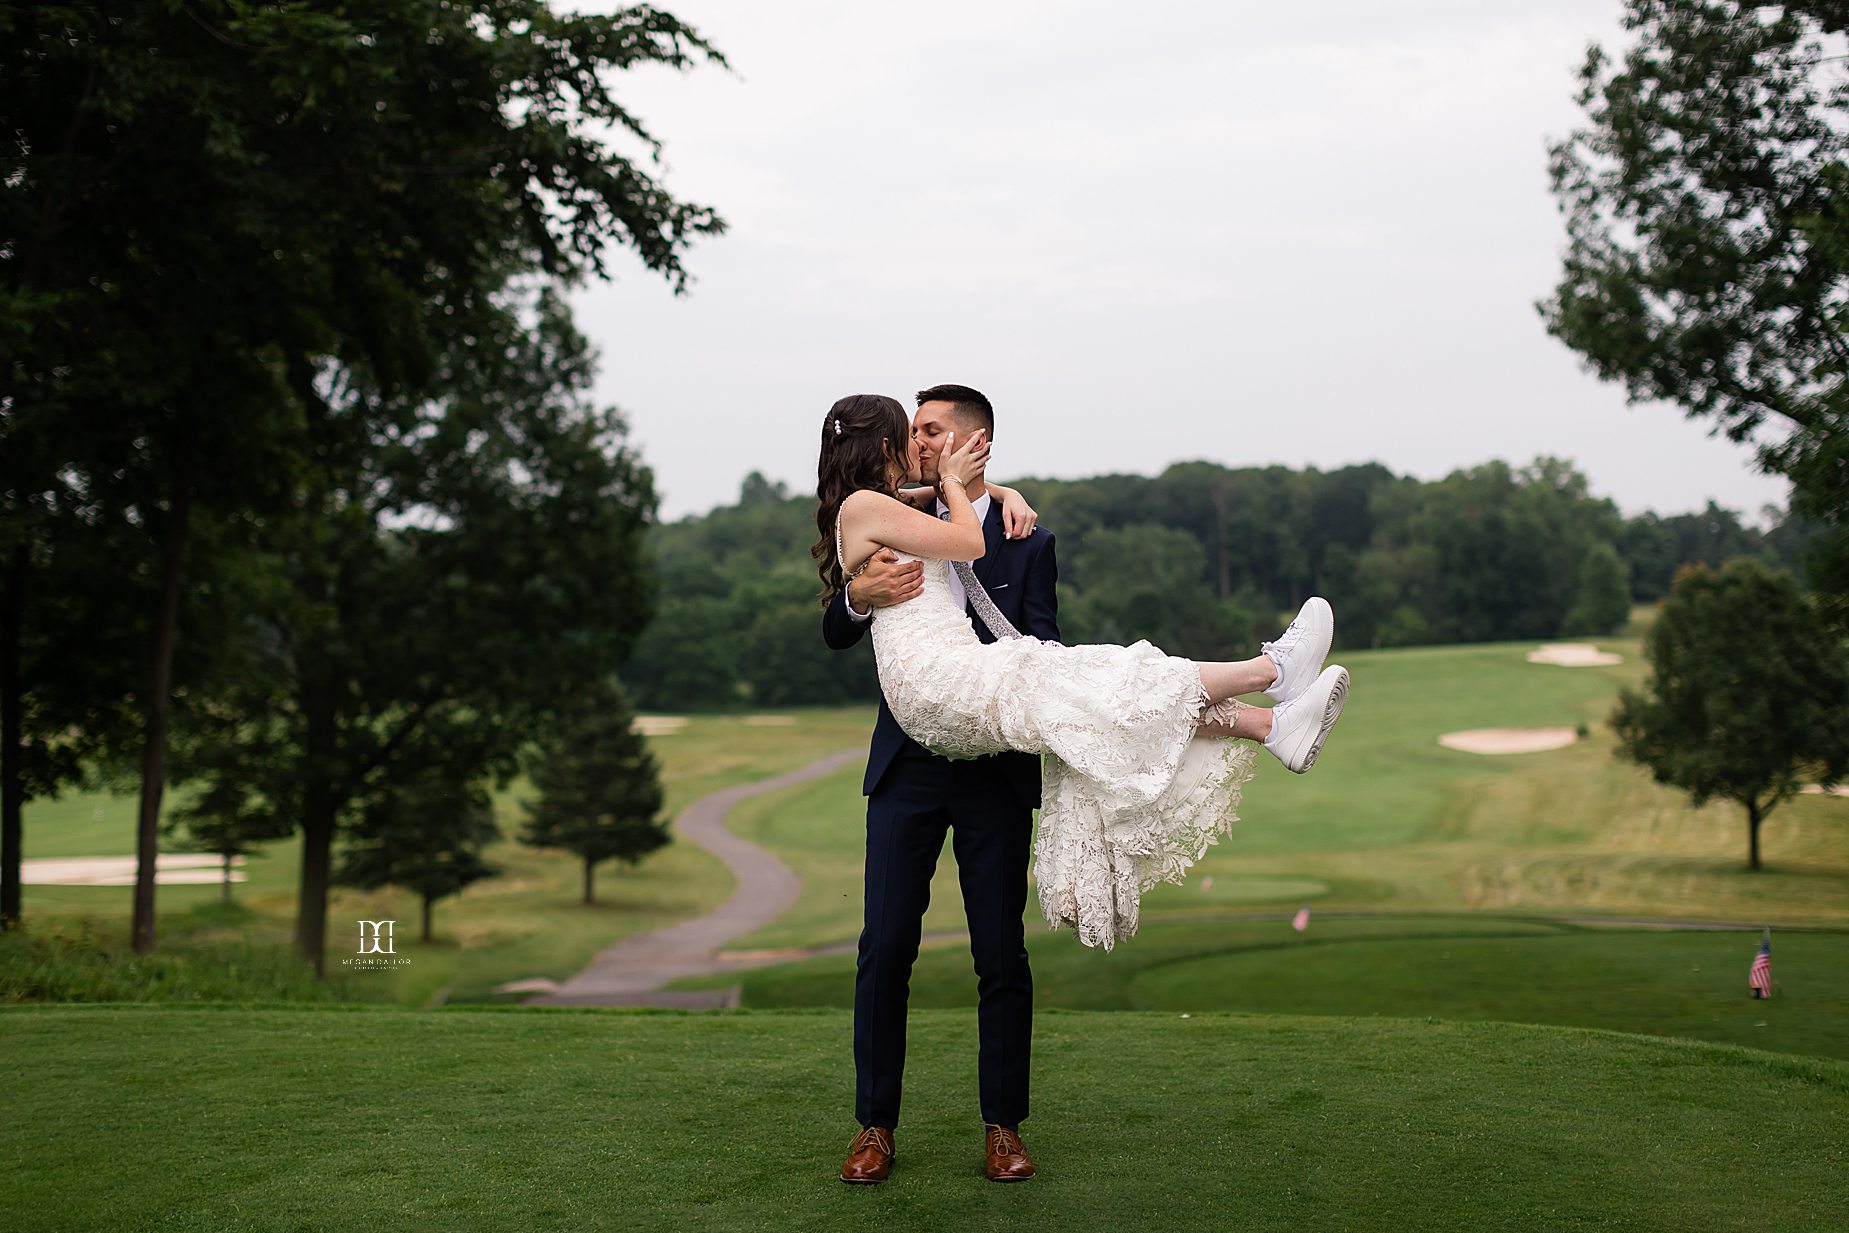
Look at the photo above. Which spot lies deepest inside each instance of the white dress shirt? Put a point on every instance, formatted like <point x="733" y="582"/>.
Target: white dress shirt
<point x="981" y="506"/>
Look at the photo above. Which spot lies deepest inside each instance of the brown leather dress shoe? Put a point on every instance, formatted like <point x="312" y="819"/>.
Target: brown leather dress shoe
<point x="1008" y="1160"/>
<point x="869" y="1158"/>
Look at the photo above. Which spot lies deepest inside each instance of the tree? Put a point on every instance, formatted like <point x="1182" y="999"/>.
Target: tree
<point x="599" y="792"/>
<point x="1746" y="696"/>
<point x="1602" y="603"/>
<point x="473" y="557"/>
<point x="1149" y="581"/>
<point x="67" y="657"/>
<point x="225" y="821"/>
<point x="425" y="833"/>
<point x="210" y="205"/>
<point x="687" y="659"/>
<point x="83" y="575"/>
<point x="784" y="663"/>
<point x="136" y="318"/>
<point x="1487" y="553"/>
<point x="1707" y="208"/>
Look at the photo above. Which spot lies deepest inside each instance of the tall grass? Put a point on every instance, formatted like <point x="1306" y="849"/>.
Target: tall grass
<point x="80" y="963"/>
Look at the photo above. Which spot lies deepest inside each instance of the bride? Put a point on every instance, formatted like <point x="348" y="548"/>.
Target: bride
<point x="1146" y="754"/>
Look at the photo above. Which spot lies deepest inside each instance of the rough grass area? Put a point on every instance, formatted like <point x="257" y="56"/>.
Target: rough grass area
<point x="167" y="1118"/>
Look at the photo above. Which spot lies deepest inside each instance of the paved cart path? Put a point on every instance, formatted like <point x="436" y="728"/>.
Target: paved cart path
<point x="632" y="972"/>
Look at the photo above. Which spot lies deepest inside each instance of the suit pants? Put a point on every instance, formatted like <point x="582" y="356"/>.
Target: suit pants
<point x="916" y="801"/>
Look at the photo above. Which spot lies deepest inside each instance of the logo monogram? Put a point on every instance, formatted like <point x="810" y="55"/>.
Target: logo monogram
<point x="376" y="937"/>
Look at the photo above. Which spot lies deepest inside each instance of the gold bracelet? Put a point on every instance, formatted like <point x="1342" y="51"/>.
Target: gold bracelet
<point x="951" y="479"/>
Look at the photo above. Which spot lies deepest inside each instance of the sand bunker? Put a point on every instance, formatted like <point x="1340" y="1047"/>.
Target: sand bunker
<point x="170" y="869"/>
<point x="1817" y="789"/>
<point x="1573" y="655"/>
<point x="1509" y="740"/>
<point x="532" y="984"/>
<point x="769" y="721"/>
<point x="658" y="725"/>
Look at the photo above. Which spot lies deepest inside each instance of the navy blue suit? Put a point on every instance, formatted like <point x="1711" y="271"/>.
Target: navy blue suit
<point x="986" y="804"/>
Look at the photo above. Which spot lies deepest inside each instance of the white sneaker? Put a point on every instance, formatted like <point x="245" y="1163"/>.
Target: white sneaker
<point x="1300" y="650"/>
<point x="1299" y="727"/>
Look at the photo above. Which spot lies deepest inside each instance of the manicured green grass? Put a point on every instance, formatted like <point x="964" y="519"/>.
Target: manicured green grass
<point x="1682" y="983"/>
<point x="1389" y="820"/>
<point x="230" y="1118"/>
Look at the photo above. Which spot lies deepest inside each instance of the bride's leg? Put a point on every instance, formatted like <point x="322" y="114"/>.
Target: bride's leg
<point x="1229" y="680"/>
<point x="1249" y="723"/>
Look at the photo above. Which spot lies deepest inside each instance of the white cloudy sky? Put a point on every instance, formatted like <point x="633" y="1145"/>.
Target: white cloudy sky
<point x="1308" y="234"/>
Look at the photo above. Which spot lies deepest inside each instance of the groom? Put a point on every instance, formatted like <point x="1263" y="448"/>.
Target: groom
<point x="986" y="805"/>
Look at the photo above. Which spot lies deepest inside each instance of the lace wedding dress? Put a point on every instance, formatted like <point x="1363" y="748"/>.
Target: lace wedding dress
<point x="1130" y="795"/>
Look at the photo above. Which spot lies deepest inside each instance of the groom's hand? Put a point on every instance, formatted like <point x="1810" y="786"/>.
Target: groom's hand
<point x="886" y="581"/>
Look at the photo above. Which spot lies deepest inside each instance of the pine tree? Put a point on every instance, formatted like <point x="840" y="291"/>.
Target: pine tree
<point x="1603" y="601"/>
<point x="599" y="792"/>
<point x="426" y="835"/>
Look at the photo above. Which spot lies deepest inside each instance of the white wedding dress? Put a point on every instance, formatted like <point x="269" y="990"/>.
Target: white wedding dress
<point x="1130" y="795"/>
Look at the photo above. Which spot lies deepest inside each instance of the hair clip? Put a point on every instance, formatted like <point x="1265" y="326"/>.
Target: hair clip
<point x="837" y="425"/>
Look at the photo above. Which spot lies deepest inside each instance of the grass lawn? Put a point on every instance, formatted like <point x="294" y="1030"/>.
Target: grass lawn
<point x="1390" y="821"/>
<point x="1473" y="967"/>
<point x="169" y="1118"/>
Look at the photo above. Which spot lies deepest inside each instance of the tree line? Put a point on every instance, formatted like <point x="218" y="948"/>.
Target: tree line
<point x="1206" y="561"/>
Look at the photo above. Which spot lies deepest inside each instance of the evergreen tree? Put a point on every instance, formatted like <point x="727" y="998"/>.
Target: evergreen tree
<point x="599" y="793"/>
<point x="1602" y="603"/>
<point x="1747" y="693"/>
<point x="228" y="822"/>
<point x="425" y="834"/>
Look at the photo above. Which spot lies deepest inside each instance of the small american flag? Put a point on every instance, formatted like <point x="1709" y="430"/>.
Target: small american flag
<point x="1301" y="920"/>
<point x="1760" y="978"/>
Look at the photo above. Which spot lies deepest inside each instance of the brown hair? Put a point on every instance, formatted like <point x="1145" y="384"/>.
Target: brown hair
<point x="862" y="436"/>
<point x="970" y="406"/>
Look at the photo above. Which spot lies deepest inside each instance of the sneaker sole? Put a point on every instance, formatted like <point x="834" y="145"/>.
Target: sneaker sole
<point x="1332" y="711"/>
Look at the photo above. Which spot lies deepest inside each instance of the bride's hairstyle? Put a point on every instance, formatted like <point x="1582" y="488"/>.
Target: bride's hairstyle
<point x="862" y="436"/>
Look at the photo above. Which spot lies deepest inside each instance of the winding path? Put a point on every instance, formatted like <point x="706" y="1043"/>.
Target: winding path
<point x="632" y="972"/>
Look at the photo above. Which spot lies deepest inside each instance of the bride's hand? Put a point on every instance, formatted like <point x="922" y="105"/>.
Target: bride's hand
<point x="967" y="460"/>
<point x="1018" y="517"/>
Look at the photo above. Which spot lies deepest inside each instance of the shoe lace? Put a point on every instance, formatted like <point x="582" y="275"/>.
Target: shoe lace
<point x="873" y="1136"/>
<point x="1004" y="1141"/>
<point x="1286" y="640"/>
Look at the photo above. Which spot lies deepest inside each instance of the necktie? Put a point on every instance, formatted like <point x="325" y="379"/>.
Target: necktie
<point x="979" y="599"/>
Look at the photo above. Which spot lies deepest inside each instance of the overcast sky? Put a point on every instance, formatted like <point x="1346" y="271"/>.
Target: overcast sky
<point x="1308" y="234"/>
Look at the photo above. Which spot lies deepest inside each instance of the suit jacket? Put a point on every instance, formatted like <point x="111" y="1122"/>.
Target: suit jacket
<point x="1021" y="576"/>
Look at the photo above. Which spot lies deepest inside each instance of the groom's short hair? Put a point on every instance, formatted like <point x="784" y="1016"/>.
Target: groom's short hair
<point x="970" y="405"/>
